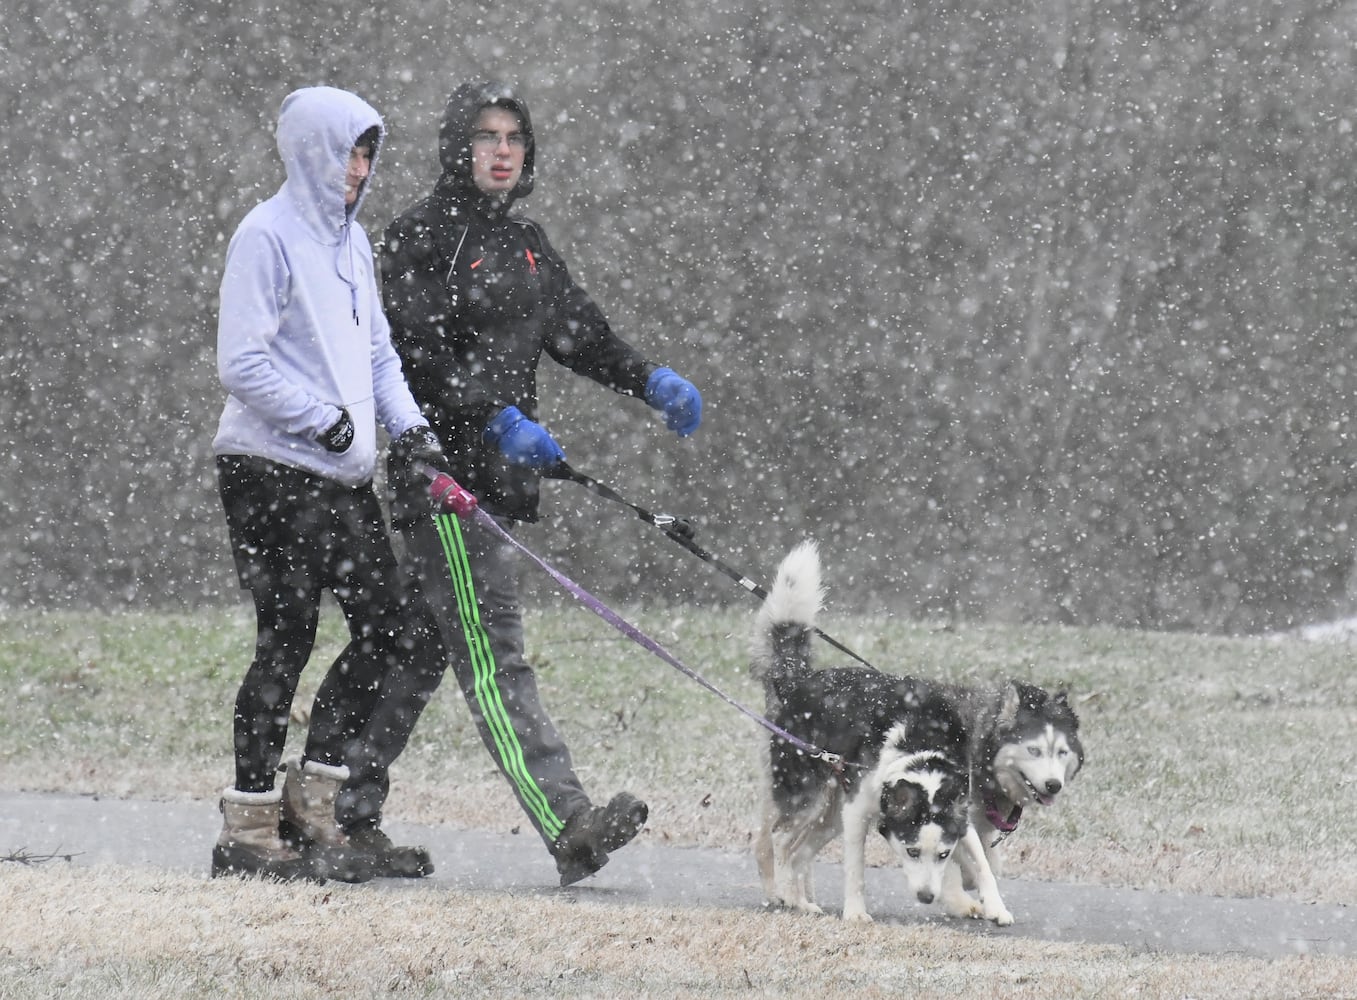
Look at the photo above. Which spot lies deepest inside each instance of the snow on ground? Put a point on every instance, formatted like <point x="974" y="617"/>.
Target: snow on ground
<point x="1342" y="630"/>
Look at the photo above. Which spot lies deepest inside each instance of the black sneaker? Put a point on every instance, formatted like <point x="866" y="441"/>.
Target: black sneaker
<point x="393" y="860"/>
<point x="593" y="833"/>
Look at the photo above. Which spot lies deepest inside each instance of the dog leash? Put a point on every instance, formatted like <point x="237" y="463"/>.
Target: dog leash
<point x="835" y="761"/>
<point x="681" y="530"/>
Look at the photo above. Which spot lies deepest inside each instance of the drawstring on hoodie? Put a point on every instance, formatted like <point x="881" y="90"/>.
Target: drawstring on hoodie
<point x="349" y="279"/>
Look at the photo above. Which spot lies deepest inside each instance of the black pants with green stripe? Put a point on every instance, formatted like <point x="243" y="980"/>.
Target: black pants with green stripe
<point x="470" y="577"/>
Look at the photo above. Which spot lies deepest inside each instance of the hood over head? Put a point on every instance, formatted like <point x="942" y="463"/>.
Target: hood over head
<point x="459" y="122"/>
<point x="317" y="130"/>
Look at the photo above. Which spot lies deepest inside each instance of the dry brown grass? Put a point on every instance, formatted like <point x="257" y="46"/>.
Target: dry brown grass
<point x="105" y="933"/>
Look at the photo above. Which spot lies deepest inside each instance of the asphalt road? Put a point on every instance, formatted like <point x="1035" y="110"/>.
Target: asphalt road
<point x="133" y="832"/>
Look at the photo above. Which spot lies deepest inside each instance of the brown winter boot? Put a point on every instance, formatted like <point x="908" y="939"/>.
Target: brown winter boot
<point x="593" y="833"/>
<point x="249" y="843"/>
<point x="308" y="822"/>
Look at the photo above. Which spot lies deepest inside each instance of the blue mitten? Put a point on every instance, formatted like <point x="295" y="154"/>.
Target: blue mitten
<point x="677" y="398"/>
<point x="521" y="441"/>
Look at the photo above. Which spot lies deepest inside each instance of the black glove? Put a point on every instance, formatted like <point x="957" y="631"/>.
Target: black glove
<point x="416" y="448"/>
<point x="339" y="436"/>
<point x="405" y="461"/>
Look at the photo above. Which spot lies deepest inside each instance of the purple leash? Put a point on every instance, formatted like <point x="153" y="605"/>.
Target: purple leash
<point x="636" y="635"/>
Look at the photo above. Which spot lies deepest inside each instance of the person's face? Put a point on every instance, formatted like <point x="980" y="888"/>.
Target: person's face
<point x="360" y="165"/>
<point x="498" y="147"/>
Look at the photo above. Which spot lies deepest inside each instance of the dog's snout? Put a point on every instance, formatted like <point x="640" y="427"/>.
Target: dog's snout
<point x="1053" y="786"/>
<point x="925" y="895"/>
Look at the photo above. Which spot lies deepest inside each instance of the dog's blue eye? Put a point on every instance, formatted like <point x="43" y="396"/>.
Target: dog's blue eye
<point x="914" y="853"/>
<point x="1034" y="751"/>
<point x="944" y="855"/>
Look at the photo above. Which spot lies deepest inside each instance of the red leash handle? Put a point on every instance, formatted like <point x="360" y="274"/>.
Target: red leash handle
<point x="448" y="494"/>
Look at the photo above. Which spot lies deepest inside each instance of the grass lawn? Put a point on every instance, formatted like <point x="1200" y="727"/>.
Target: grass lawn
<point x="1222" y="766"/>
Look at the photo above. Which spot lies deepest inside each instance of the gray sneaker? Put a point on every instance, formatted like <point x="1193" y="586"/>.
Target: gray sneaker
<point x="593" y="833"/>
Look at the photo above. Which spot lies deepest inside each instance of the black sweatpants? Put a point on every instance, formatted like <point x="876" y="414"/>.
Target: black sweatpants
<point x="294" y="536"/>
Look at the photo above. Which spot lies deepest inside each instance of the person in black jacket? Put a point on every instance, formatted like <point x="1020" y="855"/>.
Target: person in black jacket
<point x="475" y="296"/>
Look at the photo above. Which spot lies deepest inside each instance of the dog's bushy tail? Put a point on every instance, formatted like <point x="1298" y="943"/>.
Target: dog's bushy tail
<point x="781" y="640"/>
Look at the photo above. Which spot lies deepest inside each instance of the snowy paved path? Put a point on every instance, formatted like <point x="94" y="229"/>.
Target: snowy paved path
<point x="132" y="832"/>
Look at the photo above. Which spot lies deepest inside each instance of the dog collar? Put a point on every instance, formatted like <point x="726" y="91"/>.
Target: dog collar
<point x="1004" y="824"/>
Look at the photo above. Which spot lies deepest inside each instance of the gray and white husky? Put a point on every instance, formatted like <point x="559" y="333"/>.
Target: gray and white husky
<point x="906" y="766"/>
<point x="1024" y="750"/>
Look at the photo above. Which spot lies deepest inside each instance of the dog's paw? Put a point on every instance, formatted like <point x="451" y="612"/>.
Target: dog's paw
<point x="856" y="916"/>
<point x="962" y="905"/>
<point x="1000" y="915"/>
<point x="806" y="906"/>
<point x="994" y="909"/>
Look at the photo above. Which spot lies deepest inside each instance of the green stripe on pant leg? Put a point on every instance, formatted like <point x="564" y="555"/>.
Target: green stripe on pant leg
<point x="487" y="694"/>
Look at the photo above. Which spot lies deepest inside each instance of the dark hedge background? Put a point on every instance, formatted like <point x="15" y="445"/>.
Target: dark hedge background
<point x="1028" y="311"/>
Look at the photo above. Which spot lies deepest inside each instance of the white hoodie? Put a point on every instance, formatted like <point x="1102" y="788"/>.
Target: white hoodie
<point x="300" y="332"/>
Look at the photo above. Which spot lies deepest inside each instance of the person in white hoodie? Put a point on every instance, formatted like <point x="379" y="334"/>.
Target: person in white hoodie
<point x="305" y="354"/>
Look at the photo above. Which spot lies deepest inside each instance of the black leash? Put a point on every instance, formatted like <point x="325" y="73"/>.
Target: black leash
<point x="681" y="531"/>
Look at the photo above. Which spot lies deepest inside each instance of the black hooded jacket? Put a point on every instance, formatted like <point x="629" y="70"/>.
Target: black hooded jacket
<point x="474" y="296"/>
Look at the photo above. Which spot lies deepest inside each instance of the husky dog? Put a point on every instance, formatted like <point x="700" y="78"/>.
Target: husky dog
<point x="1025" y="749"/>
<point x="905" y="766"/>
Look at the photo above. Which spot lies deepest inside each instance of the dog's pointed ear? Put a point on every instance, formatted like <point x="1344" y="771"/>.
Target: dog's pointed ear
<point x="1061" y="701"/>
<point x="1009" y="705"/>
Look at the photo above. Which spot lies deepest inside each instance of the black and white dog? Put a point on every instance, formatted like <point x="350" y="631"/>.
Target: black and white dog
<point x="905" y="749"/>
